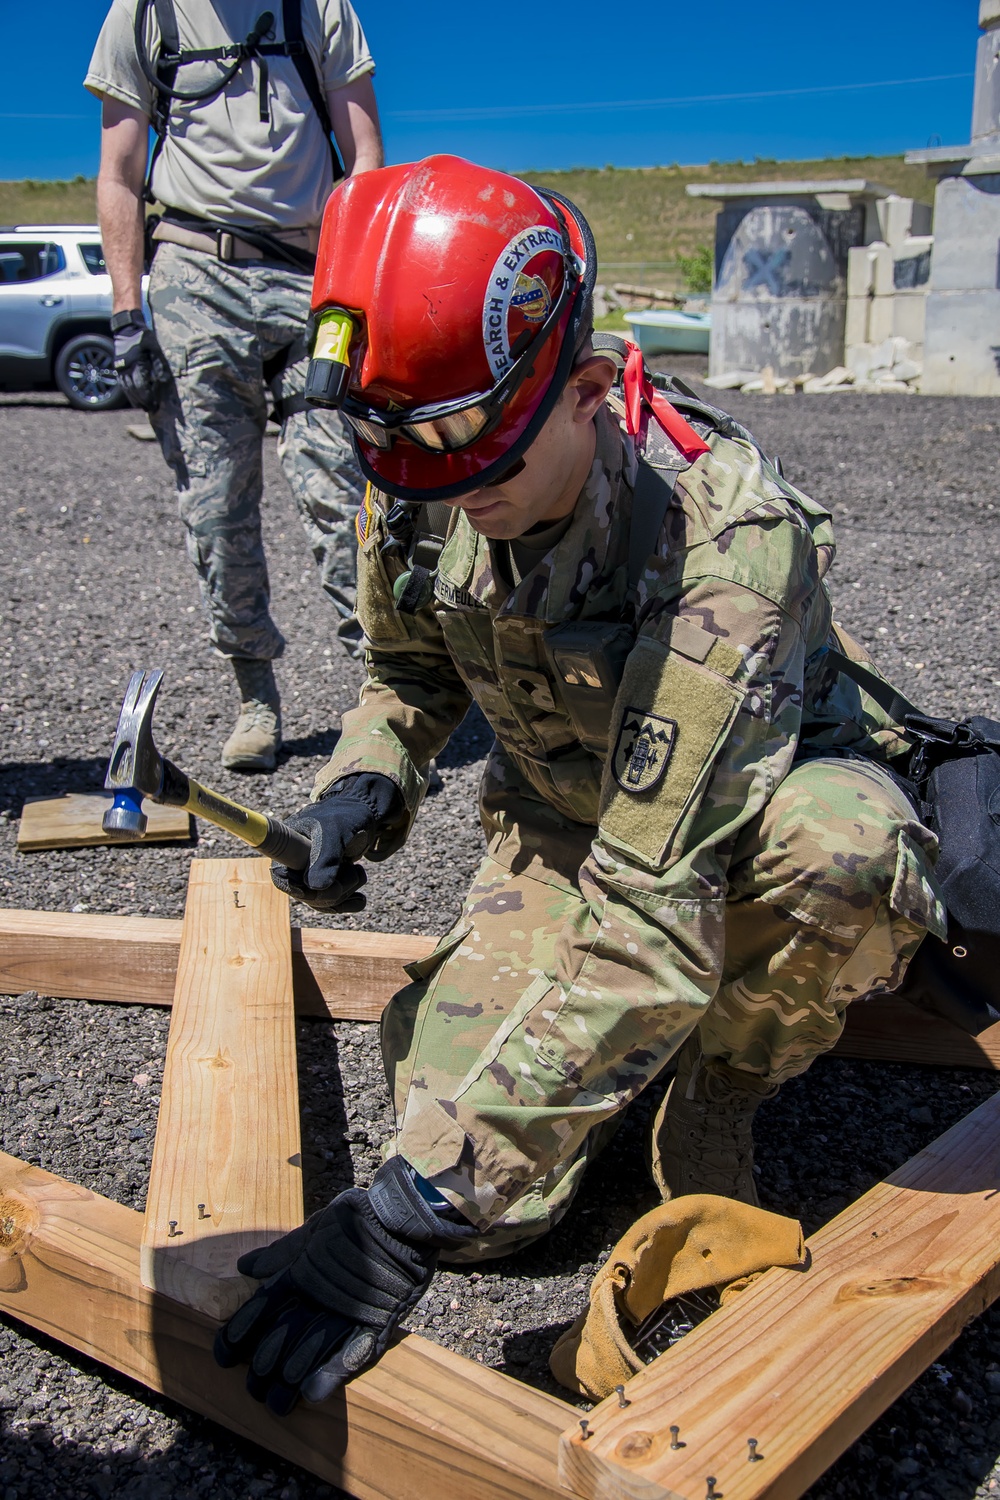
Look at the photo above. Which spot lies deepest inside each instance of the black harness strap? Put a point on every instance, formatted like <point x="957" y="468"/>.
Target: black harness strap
<point x="291" y="21"/>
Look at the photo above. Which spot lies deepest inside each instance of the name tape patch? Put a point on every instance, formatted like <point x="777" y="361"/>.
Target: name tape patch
<point x="643" y="749"/>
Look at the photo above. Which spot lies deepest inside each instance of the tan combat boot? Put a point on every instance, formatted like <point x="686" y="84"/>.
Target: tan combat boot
<point x="253" y="744"/>
<point x="702" y="1141"/>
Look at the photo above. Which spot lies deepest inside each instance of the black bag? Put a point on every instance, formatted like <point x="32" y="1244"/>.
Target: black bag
<point x="956" y="771"/>
<point x="954" y="781"/>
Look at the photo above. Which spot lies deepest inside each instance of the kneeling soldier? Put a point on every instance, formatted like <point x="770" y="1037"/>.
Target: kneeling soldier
<point x="698" y="853"/>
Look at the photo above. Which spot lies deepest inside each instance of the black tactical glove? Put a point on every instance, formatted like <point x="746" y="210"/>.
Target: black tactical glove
<point x="141" y="369"/>
<point x="337" y="1288"/>
<point x="342" y="827"/>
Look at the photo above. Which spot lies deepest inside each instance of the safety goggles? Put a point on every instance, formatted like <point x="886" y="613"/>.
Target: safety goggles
<point x="450" y="426"/>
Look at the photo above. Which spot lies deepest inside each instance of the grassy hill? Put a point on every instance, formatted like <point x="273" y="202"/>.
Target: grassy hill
<point x="642" y="218"/>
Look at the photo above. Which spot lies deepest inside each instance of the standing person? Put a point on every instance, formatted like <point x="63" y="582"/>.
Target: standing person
<point x="243" y="103"/>
<point x="698" y="850"/>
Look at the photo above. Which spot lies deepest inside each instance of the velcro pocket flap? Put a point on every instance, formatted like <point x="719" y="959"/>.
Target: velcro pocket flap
<point x="671" y="720"/>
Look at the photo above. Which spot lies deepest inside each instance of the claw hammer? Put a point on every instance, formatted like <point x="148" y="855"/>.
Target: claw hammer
<point x="137" y="769"/>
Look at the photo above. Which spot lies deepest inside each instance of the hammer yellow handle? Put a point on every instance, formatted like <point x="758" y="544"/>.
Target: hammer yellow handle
<point x="269" y="835"/>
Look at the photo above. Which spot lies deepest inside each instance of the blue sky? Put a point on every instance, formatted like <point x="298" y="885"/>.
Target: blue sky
<point x="576" y="84"/>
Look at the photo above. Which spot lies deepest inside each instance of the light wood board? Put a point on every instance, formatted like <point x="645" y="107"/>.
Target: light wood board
<point x="226" y="1173"/>
<point x="73" y="821"/>
<point x="804" y="1361"/>
<point x="350" y="975"/>
<point x="423" y="1423"/>
<point x="345" y="975"/>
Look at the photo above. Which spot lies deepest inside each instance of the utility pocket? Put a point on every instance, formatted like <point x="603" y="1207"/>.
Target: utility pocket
<point x="670" y="722"/>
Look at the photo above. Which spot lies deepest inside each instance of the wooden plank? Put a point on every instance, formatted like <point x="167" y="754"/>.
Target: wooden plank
<point x="804" y="1361"/>
<point x="345" y="975"/>
<point x="350" y="975"/>
<point x="73" y="821"/>
<point x="226" y="1173"/>
<point x="423" y="1422"/>
<point x="890" y="1029"/>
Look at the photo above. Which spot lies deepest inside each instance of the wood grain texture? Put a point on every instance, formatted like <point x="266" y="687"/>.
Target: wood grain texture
<point x="804" y="1361"/>
<point x="893" y="1030"/>
<point x="226" y="1174"/>
<point x="423" y="1423"/>
<point x="73" y="821"/>
<point x="133" y="960"/>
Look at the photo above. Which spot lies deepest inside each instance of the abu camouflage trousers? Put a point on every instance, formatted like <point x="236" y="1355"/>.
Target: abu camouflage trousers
<point x="830" y="893"/>
<point x="234" y="338"/>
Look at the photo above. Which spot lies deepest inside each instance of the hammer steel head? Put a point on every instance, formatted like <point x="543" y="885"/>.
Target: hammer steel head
<point x="135" y="769"/>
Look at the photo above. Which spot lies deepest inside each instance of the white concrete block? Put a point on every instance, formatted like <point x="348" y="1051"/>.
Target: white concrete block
<point x="729" y="380"/>
<point x="856" y="324"/>
<point x="909" y="317"/>
<point x="880" y="311"/>
<point x="883" y="282"/>
<point x="907" y="369"/>
<point x="895" y="216"/>
<point x="858" y="359"/>
<point x="859" y="271"/>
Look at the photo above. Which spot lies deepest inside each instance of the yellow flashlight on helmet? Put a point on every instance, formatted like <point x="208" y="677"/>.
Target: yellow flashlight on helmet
<point x="330" y="365"/>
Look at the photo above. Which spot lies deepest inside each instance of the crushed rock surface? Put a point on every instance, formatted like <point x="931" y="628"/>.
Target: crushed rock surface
<point x="95" y="582"/>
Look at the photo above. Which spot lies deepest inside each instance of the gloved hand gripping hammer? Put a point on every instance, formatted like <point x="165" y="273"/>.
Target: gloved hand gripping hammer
<point x="137" y="769"/>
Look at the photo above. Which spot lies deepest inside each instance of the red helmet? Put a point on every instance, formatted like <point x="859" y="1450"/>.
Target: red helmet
<point x="469" y="296"/>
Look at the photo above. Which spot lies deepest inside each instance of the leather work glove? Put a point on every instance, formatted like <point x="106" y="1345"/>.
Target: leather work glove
<point x="336" y="1289"/>
<point x="141" y="369"/>
<point x="342" y="827"/>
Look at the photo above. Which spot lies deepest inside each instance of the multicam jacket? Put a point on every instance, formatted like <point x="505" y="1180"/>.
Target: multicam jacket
<point x="720" y="650"/>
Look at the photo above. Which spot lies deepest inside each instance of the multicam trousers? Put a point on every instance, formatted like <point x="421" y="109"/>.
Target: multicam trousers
<point x="830" y="890"/>
<point x="221" y="328"/>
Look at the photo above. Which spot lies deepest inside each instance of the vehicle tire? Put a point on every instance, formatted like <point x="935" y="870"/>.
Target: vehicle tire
<point x="85" y="373"/>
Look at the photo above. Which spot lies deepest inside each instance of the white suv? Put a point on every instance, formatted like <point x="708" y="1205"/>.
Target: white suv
<point x="55" y="311"/>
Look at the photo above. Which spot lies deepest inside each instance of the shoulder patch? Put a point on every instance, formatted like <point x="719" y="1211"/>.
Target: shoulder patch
<point x="642" y="750"/>
<point x="365" y="516"/>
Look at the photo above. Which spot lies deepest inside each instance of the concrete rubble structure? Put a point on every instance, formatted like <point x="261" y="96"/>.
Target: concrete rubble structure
<point x="962" y="340"/>
<point x="781" y="270"/>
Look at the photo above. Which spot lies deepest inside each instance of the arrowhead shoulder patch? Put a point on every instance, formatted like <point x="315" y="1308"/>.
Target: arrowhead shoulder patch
<point x="643" y="749"/>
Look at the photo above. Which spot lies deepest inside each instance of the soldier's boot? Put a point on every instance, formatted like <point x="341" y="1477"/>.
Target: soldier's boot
<point x="253" y="744"/>
<point x="702" y="1139"/>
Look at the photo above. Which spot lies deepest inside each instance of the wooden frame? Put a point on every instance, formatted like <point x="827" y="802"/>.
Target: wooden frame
<point x="889" y="1283"/>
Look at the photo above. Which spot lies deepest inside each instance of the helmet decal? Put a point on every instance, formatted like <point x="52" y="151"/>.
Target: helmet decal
<point x="515" y="288"/>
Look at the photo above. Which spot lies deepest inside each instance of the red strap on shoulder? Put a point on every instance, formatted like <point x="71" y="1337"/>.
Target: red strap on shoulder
<point x="640" y="392"/>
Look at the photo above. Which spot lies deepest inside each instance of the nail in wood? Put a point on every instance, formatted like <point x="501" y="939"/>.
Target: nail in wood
<point x="172" y="1230"/>
<point x="620" y="1390"/>
<point x="201" y="1212"/>
<point x="711" y="1493"/>
<point x="674" y="1435"/>
<point x="753" y="1457"/>
<point x="585" y="1428"/>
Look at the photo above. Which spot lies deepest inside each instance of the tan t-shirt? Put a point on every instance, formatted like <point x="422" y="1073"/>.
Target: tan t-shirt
<point x="219" y="159"/>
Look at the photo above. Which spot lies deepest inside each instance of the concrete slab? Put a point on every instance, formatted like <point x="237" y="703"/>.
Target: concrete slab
<point x="962" y="344"/>
<point x="967" y="225"/>
<point x="854" y="187"/>
<point x="986" y="100"/>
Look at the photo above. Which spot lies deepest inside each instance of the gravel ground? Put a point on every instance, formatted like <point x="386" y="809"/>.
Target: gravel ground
<point x="95" y="582"/>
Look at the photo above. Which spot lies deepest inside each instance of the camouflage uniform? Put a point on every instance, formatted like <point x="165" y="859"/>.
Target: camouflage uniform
<point x="218" y="325"/>
<point x="720" y="845"/>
